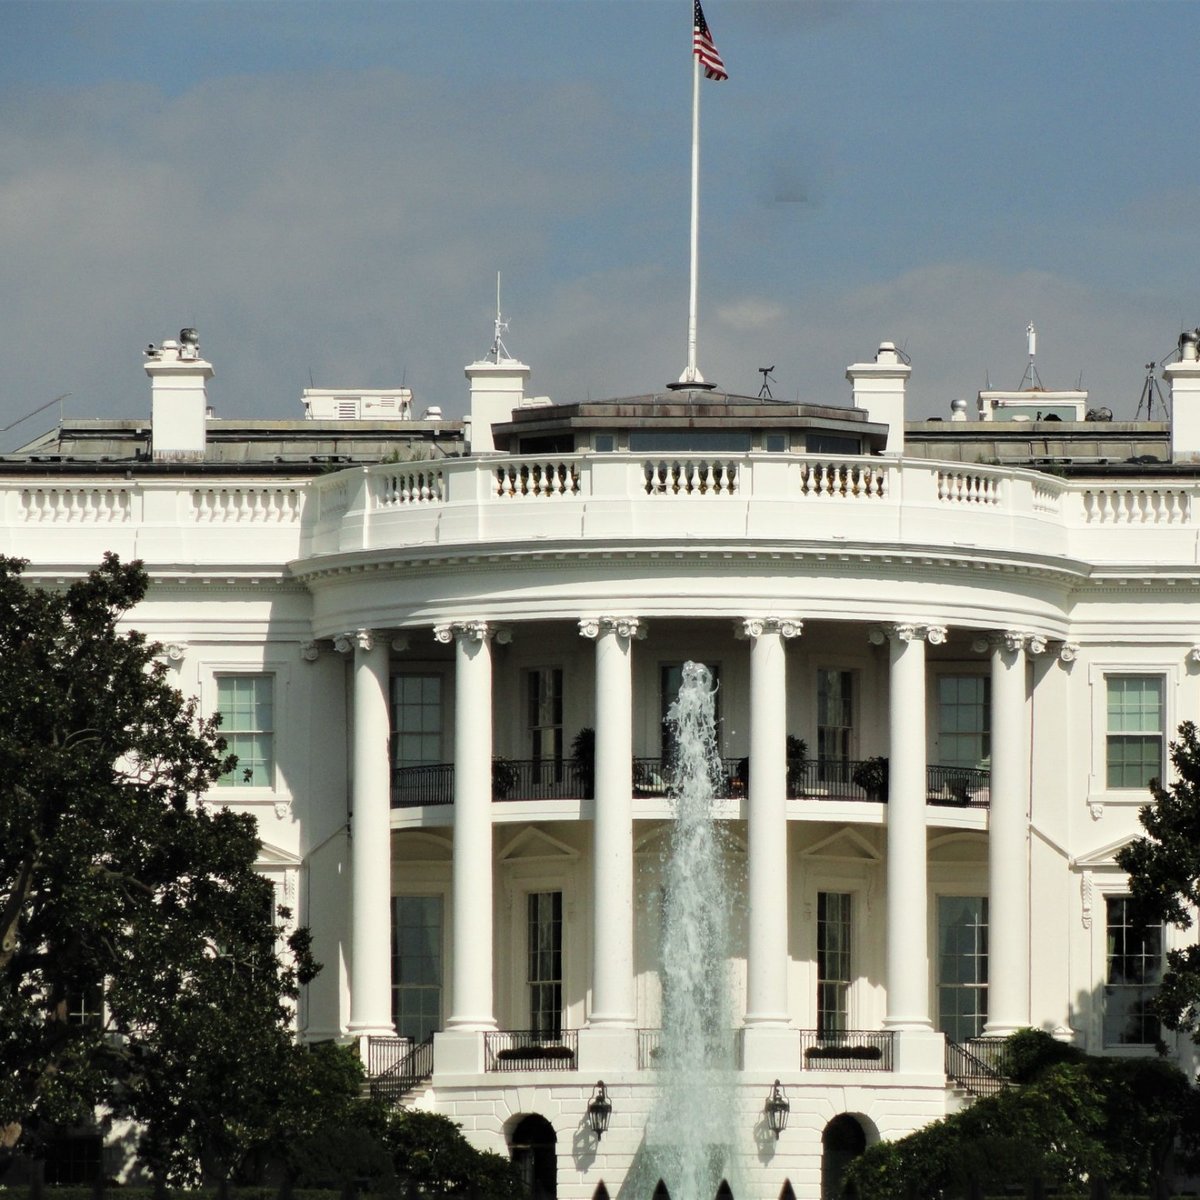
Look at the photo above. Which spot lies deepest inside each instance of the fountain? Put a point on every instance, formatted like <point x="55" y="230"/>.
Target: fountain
<point x="694" y="1119"/>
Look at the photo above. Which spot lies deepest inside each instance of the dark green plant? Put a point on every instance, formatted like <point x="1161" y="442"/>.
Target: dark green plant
<point x="1164" y="877"/>
<point x="583" y="757"/>
<point x="112" y="869"/>
<point x="872" y="776"/>
<point x="504" y="777"/>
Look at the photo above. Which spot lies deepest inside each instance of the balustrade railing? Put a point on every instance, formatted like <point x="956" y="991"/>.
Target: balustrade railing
<point x="860" y="780"/>
<point x="541" y="478"/>
<point x="414" y="1066"/>
<point x="416" y="786"/>
<point x="690" y="477"/>
<point x="846" y="1050"/>
<point x="979" y="1065"/>
<point x="530" y="1050"/>
<point x="383" y="1053"/>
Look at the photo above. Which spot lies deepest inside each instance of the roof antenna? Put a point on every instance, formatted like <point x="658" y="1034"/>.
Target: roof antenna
<point x="1031" y="371"/>
<point x="764" y="392"/>
<point x="499" y="350"/>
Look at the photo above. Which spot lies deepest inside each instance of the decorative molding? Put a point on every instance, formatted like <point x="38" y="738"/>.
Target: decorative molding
<point x="753" y="627"/>
<point x="173" y="652"/>
<point x="357" y="639"/>
<point x="935" y="635"/>
<point x="633" y="628"/>
<point x="1068" y="652"/>
<point x="1036" y="644"/>
<point x="981" y="644"/>
<point x="470" y="631"/>
<point x="1096" y="808"/>
<point x="310" y="650"/>
<point x="400" y="643"/>
<point x="906" y="631"/>
<point x="1193" y="655"/>
<point x="1085" y="894"/>
<point x="282" y="808"/>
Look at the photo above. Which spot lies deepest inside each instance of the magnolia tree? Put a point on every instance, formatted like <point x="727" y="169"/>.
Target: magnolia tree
<point x="1164" y="877"/>
<point x="118" y="880"/>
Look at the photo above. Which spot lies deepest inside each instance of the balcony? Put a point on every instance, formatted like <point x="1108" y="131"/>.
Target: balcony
<point x="530" y="1050"/>
<point x="846" y="1050"/>
<point x="546" y="779"/>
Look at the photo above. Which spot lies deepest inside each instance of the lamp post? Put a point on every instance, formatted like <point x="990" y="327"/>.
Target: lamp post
<point x="777" y="1109"/>
<point x="599" y="1109"/>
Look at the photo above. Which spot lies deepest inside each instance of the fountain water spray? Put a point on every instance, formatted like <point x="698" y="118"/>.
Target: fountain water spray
<point x="694" y="1120"/>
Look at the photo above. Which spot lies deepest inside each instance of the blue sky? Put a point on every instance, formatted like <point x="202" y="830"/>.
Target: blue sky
<point x="327" y="190"/>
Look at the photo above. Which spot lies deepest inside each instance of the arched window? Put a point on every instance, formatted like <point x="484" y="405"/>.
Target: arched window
<point x="841" y="1143"/>
<point x="534" y="1149"/>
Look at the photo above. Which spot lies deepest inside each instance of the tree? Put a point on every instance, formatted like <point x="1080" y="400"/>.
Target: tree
<point x="114" y="872"/>
<point x="1164" y="877"/>
<point x="1068" y="1118"/>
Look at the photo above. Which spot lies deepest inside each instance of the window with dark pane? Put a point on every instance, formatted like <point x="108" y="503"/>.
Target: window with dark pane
<point x="247" y="707"/>
<point x="545" y="958"/>
<point x="962" y="966"/>
<point x="833" y="961"/>
<point x="964" y="710"/>
<point x="416" y="720"/>
<point x="835" y="723"/>
<point x="417" y="965"/>
<point x="1134" y="963"/>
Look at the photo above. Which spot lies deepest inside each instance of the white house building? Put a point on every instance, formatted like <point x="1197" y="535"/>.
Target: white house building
<point x="445" y="651"/>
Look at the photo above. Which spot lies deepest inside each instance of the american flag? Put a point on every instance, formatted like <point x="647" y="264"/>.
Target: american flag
<point x="704" y="49"/>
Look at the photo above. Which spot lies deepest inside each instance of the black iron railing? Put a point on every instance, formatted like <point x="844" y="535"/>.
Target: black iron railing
<point x="392" y="1085"/>
<point x="549" y="779"/>
<point x="846" y="1050"/>
<point x="979" y="1066"/>
<point x="530" y="1050"/>
<point x="383" y="1053"/>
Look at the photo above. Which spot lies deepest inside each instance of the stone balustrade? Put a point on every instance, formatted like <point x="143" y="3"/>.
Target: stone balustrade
<point x="901" y="505"/>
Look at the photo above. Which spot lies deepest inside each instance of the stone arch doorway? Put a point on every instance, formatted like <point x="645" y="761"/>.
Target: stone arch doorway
<point x="533" y="1146"/>
<point x="842" y="1142"/>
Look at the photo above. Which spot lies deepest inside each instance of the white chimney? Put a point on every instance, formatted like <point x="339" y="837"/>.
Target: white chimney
<point x="497" y="387"/>
<point x="1184" y="378"/>
<point x="178" y="398"/>
<point x="878" y="389"/>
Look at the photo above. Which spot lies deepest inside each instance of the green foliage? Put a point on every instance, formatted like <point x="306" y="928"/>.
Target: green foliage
<point x="1075" y="1118"/>
<point x="113" y="871"/>
<point x="1164" y="877"/>
<point x="430" y="1151"/>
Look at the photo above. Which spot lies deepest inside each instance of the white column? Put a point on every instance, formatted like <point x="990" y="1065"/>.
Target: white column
<point x="612" y="825"/>
<point x="471" y="964"/>
<point x="1008" y="834"/>
<point x="370" y="841"/>
<point x="767" y="871"/>
<point x="907" y="896"/>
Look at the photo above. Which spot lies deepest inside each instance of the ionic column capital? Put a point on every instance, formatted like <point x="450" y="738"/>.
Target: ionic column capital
<point x="1068" y="652"/>
<point x="1011" y="640"/>
<point x="469" y="631"/>
<point x="310" y="651"/>
<point x="753" y="627"/>
<point x="633" y="628"/>
<point x="906" y="631"/>
<point x="360" y="639"/>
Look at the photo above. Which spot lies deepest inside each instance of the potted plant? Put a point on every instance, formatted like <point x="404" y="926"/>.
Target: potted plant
<point x="504" y="777"/>
<point x="583" y="758"/>
<point x="872" y="776"/>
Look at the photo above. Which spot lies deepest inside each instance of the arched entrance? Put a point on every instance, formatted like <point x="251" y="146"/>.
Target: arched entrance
<point x="842" y="1142"/>
<point x="534" y="1150"/>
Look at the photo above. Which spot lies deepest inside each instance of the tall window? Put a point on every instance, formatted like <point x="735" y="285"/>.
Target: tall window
<point x="545" y="962"/>
<point x="545" y="715"/>
<point x="964" y="720"/>
<point x="835" y="716"/>
<point x="247" y="707"/>
<point x="416" y="720"/>
<point x="833" y="961"/>
<point x="1134" y="747"/>
<point x="417" y="965"/>
<point x="1134" y="958"/>
<point x="962" y="966"/>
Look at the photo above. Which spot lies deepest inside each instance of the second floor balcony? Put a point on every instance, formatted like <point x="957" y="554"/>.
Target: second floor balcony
<point x="562" y="779"/>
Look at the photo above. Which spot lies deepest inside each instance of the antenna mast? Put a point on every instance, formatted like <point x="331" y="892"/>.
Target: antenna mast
<point x="1031" y="372"/>
<point x="1151" y="395"/>
<point x="499" y="351"/>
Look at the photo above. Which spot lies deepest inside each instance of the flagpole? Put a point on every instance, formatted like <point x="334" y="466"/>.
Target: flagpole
<point x="691" y="375"/>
